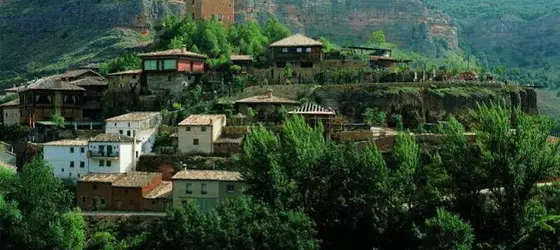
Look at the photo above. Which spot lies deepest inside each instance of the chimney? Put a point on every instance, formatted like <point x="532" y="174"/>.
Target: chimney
<point x="269" y="93"/>
<point x="184" y="49"/>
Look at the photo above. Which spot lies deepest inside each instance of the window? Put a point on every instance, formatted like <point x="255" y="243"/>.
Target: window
<point x="83" y="199"/>
<point x="169" y="78"/>
<point x="62" y="170"/>
<point x="79" y="175"/>
<point x="192" y="15"/>
<point x="102" y="202"/>
<point x="306" y="64"/>
<point x="82" y="150"/>
<point x="203" y="129"/>
<point x="183" y="203"/>
<point x="82" y="164"/>
<point x="220" y="17"/>
<point x="193" y="2"/>
<point x="120" y="132"/>
<point x="108" y="163"/>
<point x="203" y="189"/>
<point x="128" y="133"/>
<point x="71" y="150"/>
<point x="71" y="164"/>
<point x="230" y="188"/>
<point x="299" y="50"/>
<point x="94" y="186"/>
<point x="195" y="142"/>
<point x="188" y="128"/>
<point x="115" y="124"/>
<point x="129" y="124"/>
<point x="153" y="203"/>
<point x="150" y="65"/>
<point x="136" y="154"/>
<point x="284" y="50"/>
<point x="308" y="50"/>
<point x="70" y="174"/>
<point x="102" y="163"/>
<point x="189" y="188"/>
<point x="169" y="64"/>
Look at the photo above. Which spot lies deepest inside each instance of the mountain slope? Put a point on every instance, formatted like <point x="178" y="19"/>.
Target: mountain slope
<point x="45" y="36"/>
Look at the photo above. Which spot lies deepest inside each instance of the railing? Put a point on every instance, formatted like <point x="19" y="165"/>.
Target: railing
<point x="103" y="154"/>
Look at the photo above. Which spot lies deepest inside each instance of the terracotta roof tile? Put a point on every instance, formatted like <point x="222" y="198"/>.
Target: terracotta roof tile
<point x="208" y="175"/>
<point x="162" y="191"/>
<point x="269" y="98"/>
<point x="136" y="179"/>
<point x="49" y="83"/>
<point x="174" y="52"/>
<point x="12" y="103"/>
<point x="67" y="143"/>
<point x="312" y="108"/>
<point x="103" y="178"/>
<point x="128" y="72"/>
<point x="90" y="81"/>
<point x="241" y="58"/>
<point x="296" y="40"/>
<point x="111" y="138"/>
<point x="77" y="72"/>
<point x="200" y="120"/>
<point x="134" y="116"/>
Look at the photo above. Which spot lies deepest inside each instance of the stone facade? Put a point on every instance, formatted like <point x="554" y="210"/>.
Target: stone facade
<point x="222" y="10"/>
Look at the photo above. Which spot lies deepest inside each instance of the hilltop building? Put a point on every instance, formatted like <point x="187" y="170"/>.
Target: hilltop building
<point x="264" y="105"/>
<point x="11" y="113"/>
<point x="303" y="53"/>
<point x="222" y="10"/>
<point x="206" y="188"/>
<point x="171" y="69"/>
<point x="314" y="114"/>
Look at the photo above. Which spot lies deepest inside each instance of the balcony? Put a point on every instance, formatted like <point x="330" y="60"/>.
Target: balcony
<point x="103" y="155"/>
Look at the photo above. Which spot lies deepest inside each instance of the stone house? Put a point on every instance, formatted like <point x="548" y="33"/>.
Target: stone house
<point x="171" y="69"/>
<point x="303" y="53"/>
<point x="124" y="80"/>
<point x="206" y="188"/>
<point x="142" y="125"/>
<point x="198" y="133"/>
<point x="11" y="113"/>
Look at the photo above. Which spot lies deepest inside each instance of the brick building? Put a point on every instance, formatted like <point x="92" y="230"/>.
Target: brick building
<point x="222" y="10"/>
<point x="137" y="191"/>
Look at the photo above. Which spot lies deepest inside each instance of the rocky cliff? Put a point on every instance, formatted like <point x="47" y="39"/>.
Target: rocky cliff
<point x="420" y="103"/>
<point x="409" y="23"/>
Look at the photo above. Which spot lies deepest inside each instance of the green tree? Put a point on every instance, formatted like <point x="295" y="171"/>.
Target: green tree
<point x="378" y="37"/>
<point x="38" y="212"/>
<point x="126" y="61"/>
<point x="288" y="72"/>
<point x="373" y="116"/>
<point x="398" y="120"/>
<point x="275" y="30"/>
<point x="447" y="231"/>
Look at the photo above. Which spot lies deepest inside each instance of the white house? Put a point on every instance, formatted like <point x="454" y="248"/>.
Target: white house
<point x="198" y="133"/>
<point x="104" y="153"/>
<point x="143" y="125"/>
<point x="67" y="157"/>
<point x="112" y="153"/>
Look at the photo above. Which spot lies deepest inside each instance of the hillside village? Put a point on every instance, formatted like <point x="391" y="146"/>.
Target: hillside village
<point x="104" y="156"/>
<point x="219" y="136"/>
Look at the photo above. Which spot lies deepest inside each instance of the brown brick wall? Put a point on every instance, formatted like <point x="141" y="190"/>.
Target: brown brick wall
<point x="129" y="199"/>
<point x="88" y="192"/>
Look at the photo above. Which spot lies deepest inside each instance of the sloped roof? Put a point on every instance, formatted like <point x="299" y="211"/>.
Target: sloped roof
<point x="200" y="120"/>
<point x="103" y="178"/>
<point x="91" y="66"/>
<point x="174" y="52"/>
<point x="136" y="179"/>
<point x="296" y="40"/>
<point x="162" y="191"/>
<point x="134" y="116"/>
<point x="268" y="98"/>
<point x="111" y="138"/>
<point x="241" y="58"/>
<point x="208" y="175"/>
<point x="90" y="81"/>
<point x="127" y="72"/>
<point x="313" y="108"/>
<point x="50" y="83"/>
<point x="67" y="143"/>
<point x="77" y="72"/>
<point x="228" y="140"/>
<point x="12" y="103"/>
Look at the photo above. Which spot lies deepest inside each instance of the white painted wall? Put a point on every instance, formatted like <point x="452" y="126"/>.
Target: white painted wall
<point x="206" y="138"/>
<point x="60" y="158"/>
<point x="146" y="131"/>
<point x="122" y="164"/>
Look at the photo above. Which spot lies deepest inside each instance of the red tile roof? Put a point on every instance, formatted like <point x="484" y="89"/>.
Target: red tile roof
<point x="201" y="120"/>
<point x="174" y="52"/>
<point x="296" y="40"/>
<point x="208" y="175"/>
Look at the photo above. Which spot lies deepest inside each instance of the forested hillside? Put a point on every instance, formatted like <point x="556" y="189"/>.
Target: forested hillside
<point x="510" y="33"/>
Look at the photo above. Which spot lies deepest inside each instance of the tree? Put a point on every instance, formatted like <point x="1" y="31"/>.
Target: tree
<point x="40" y="208"/>
<point x="373" y="116"/>
<point x="288" y="72"/>
<point x="447" y="231"/>
<point x="275" y="31"/>
<point x="378" y="37"/>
